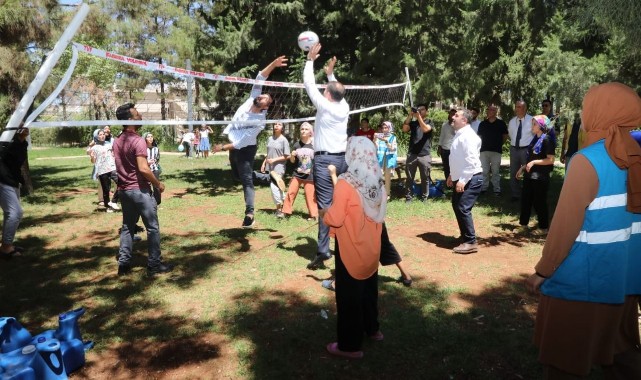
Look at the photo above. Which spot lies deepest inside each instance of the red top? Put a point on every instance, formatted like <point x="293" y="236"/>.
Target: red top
<point x="126" y="148"/>
<point x="369" y="134"/>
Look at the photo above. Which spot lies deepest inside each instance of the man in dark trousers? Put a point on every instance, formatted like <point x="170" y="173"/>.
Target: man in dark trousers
<point x="419" y="151"/>
<point x="134" y="179"/>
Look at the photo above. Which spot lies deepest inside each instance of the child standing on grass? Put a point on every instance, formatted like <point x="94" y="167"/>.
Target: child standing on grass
<point x="153" y="159"/>
<point x="356" y="219"/>
<point x="386" y="152"/>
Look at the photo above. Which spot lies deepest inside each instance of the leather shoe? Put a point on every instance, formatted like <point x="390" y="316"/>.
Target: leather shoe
<point x="466" y="248"/>
<point x="318" y="261"/>
<point x="124" y="269"/>
<point x="159" y="269"/>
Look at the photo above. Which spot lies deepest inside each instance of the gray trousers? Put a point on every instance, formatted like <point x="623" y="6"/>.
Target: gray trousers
<point x="491" y="163"/>
<point x="137" y="204"/>
<point x="12" y="212"/>
<point x="518" y="158"/>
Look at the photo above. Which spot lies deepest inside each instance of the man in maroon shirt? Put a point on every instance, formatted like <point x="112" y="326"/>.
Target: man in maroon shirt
<point x="134" y="178"/>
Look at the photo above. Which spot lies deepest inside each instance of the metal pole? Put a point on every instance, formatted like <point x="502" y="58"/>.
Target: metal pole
<point x="409" y="84"/>
<point x="190" y="101"/>
<point x="47" y="66"/>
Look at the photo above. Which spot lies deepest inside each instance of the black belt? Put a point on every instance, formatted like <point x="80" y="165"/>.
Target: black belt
<point x="520" y="147"/>
<point x="324" y="153"/>
<point x="479" y="173"/>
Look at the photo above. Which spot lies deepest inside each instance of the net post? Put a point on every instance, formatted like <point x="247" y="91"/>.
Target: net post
<point x="47" y="66"/>
<point x="409" y="86"/>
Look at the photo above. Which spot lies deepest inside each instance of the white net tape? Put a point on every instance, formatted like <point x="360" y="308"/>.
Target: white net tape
<point x="77" y="101"/>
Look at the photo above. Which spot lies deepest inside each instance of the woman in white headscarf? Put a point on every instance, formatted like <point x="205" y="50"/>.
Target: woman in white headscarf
<point x="356" y="219"/>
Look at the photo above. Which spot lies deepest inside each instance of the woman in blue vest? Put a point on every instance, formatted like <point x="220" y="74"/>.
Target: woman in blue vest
<point x="589" y="275"/>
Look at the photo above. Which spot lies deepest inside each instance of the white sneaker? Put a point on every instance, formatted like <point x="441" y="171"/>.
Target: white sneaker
<point x="113" y="205"/>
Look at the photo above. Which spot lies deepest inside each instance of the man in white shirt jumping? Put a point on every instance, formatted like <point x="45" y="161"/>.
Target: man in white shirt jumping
<point x="242" y="136"/>
<point x="466" y="175"/>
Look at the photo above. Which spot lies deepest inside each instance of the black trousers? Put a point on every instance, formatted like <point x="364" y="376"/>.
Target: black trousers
<point x="356" y="305"/>
<point x="535" y="193"/>
<point x="462" y="204"/>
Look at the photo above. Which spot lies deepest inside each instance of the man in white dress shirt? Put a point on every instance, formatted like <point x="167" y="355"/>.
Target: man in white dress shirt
<point x="330" y="142"/>
<point x="466" y="175"/>
<point x="242" y="137"/>
<point x="520" y="130"/>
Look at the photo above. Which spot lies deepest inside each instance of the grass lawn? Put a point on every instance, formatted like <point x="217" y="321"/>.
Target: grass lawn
<point x="242" y="305"/>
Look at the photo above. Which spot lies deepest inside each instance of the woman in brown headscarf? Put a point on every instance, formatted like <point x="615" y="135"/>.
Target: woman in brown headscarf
<point x="589" y="275"/>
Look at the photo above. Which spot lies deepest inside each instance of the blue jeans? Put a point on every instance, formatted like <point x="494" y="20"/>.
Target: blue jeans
<point x="462" y="203"/>
<point x="11" y="210"/>
<point x="325" y="192"/>
<point x="136" y="204"/>
<point x="242" y="168"/>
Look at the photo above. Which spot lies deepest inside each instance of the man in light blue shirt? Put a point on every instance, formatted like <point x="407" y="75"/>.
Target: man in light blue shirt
<point x="247" y="123"/>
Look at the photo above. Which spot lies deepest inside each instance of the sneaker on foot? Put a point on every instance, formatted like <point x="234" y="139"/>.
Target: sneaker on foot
<point x="318" y="261"/>
<point x="279" y="214"/>
<point x="160" y="268"/>
<point x="113" y="205"/>
<point x="124" y="269"/>
<point x="248" y="222"/>
<point x="279" y="180"/>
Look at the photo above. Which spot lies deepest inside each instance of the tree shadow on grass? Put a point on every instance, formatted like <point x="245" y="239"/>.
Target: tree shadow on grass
<point x="44" y="283"/>
<point x="427" y="336"/>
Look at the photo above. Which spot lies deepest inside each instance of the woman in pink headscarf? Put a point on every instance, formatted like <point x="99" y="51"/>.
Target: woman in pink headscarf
<point x="536" y="174"/>
<point x="589" y="275"/>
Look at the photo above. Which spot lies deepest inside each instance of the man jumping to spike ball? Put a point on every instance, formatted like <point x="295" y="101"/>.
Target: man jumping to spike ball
<point x="242" y="137"/>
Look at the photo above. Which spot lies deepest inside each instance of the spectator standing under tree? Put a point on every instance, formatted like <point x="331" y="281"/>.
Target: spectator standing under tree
<point x="536" y="174"/>
<point x="475" y="121"/>
<point x="520" y="131"/>
<point x="466" y="177"/>
<point x="589" y="274"/>
<point x="242" y="137"/>
<point x="187" y="141"/>
<point x="445" y="142"/>
<point x="134" y="179"/>
<point x="419" y="151"/>
<point x="205" y="146"/>
<point x="493" y="134"/>
<point x="196" y="142"/>
<point x="12" y="156"/>
<point x="365" y="129"/>
<point x="572" y="140"/>
<point x="103" y="159"/>
<point x="302" y="155"/>
<point x="153" y="159"/>
<point x="273" y="167"/>
<point x="386" y="147"/>
<point x="330" y="140"/>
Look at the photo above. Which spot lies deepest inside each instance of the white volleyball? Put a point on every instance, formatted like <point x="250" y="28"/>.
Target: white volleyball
<point x="307" y="39"/>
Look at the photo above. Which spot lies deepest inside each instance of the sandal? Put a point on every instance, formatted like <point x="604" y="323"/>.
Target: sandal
<point x="405" y="282"/>
<point x="10" y="255"/>
<point x="332" y="348"/>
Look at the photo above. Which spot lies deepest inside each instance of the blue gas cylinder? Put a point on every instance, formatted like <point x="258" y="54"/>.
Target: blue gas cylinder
<point x="48" y="364"/>
<point x="12" y="335"/>
<point x="16" y="365"/>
